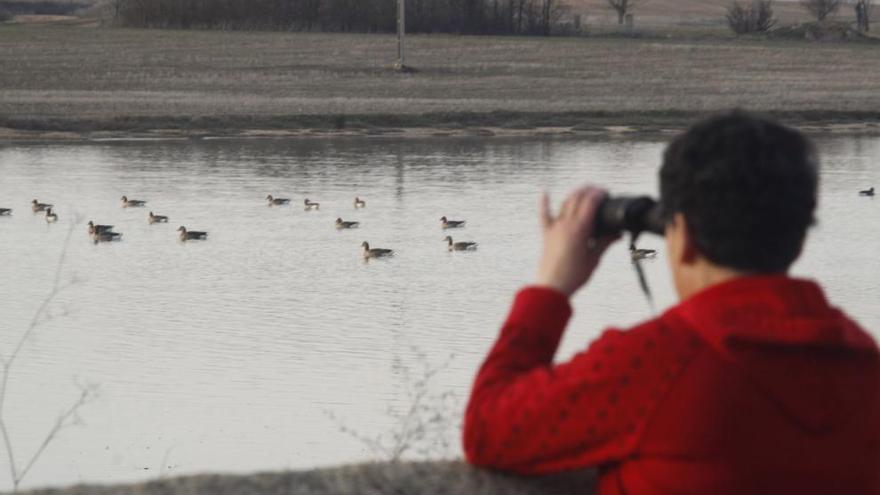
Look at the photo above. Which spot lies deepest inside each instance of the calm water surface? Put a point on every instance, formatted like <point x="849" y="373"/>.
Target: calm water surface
<point x="232" y="355"/>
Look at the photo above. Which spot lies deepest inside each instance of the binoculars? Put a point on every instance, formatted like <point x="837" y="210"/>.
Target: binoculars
<point x="632" y="214"/>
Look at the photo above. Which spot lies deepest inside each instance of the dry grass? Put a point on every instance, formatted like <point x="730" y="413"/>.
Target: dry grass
<point x="436" y="478"/>
<point x="74" y="78"/>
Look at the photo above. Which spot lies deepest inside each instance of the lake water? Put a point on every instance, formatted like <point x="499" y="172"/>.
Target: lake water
<point x="252" y="350"/>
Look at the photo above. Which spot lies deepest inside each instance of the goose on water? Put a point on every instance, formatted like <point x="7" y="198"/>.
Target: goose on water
<point x="36" y="206"/>
<point x="132" y="203"/>
<point x="375" y="252"/>
<point x="867" y="192"/>
<point x="5" y="212"/>
<point x="191" y="235"/>
<point x="107" y="236"/>
<point x="157" y="218"/>
<point x="460" y="246"/>
<point x="641" y="254"/>
<point x="273" y="201"/>
<point x="340" y="224"/>
<point x="451" y="224"/>
<point x="98" y="229"/>
<point x="310" y="205"/>
<point x="359" y="203"/>
<point x="51" y="217"/>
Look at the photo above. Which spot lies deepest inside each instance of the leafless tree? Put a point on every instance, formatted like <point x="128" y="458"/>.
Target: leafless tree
<point x="67" y="417"/>
<point x="117" y="6"/>
<point x="623" y="7"/>
<point x="864" y="9"/>
<point x="754" y="17"/>
<point x="820" y="9"/>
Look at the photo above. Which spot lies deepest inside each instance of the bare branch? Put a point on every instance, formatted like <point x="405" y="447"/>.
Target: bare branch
<point x="820" y="9"/>
<point x="68" y="417"/>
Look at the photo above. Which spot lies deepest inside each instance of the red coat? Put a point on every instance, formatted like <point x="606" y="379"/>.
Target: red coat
<point x="755" y="385"/>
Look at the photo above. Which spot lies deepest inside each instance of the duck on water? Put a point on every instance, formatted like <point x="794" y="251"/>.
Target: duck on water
<point x="156" y="218"/>
<point x="451" y="224"/>
<point x="641" y="254"/>
<point x="132" y="203"/>
<point x="341" y="224"/>
<point x="460" y="246"/>
<point x="191" y="235"/>
<point x="273" y="201"/>
<point x="98" y="229"/>
<point x="36" y="206"/>
<point x="375" y="252"/>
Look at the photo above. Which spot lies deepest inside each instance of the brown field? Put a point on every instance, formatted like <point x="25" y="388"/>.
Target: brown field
<point x="78" y="79"/>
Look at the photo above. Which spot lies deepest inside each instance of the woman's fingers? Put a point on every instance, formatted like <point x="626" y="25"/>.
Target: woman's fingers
<point x="546" y="215"/>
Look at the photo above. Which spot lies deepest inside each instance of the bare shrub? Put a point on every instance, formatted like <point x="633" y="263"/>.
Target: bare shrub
<point x="421" y="429"/>
<point x="754" y="17"/>
<point x="67" y="417"/>
<point x="5" y="15"/>
<point x="820" y="9"/>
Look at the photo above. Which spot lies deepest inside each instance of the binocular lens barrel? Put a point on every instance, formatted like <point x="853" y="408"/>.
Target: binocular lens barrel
<point x="633" y="214"/>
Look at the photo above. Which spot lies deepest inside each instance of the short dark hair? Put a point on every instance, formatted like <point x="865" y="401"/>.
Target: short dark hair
<point x="747" y="188"/>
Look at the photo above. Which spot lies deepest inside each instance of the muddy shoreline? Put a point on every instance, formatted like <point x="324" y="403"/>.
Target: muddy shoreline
<point x="405" y="126"/>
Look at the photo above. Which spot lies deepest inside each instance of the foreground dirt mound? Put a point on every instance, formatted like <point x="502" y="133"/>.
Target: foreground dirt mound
<point x="434" y="478"/>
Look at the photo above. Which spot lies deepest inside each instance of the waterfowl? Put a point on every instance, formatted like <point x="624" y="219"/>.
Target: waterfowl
<point x="277" y="201"/>
<point x="98" y="229"/>
<point x="132" y="203"/>
<point x="460" y="246"/>
<point x="107" y="236"/>
<point x="376" y="252"/>
<point x="191" y="235"/>
<point x="867" y="192"/>
<point x="641" y="254"/>
<point x="51" y="217"/>
<point x="5" y="212"/>
<point x="312" y="205"/>
<point x="157" y="218"/>
<point x="451" y="224"/>
<point x="36" y="206"/>
<point x="359" y="203"/>
<point x="340" y="224"/>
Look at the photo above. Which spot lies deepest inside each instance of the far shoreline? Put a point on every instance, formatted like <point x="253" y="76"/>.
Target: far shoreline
<point x="484" y="126"/>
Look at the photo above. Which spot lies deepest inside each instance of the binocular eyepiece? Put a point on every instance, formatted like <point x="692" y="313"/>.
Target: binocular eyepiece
<point x="633" y="214"/>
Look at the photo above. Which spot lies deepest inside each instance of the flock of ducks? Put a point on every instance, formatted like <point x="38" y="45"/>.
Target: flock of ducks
<point x="370" y="252"/>
<point x="105" y="233"/>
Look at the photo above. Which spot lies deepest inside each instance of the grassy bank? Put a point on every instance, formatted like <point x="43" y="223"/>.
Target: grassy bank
<point x="56" y="79"/>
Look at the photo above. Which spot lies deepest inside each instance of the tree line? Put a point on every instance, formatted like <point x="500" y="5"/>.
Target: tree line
<point x="528" y="17"/>
<point x="754" y="16"/>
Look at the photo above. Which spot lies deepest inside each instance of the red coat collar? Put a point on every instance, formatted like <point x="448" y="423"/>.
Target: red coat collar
<point x="769" y="309"/>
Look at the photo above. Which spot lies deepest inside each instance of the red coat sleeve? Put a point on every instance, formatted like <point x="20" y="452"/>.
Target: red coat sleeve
<point x="529" y="416"/>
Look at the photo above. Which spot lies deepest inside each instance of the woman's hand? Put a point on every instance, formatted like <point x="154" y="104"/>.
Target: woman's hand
<point x="570" y="252"/>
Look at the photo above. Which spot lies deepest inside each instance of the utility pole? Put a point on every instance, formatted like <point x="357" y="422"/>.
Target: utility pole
<point x="401" y="35"/>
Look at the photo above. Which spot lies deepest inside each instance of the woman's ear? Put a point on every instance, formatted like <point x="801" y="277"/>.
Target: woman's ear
<point x="682" y="248"/>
